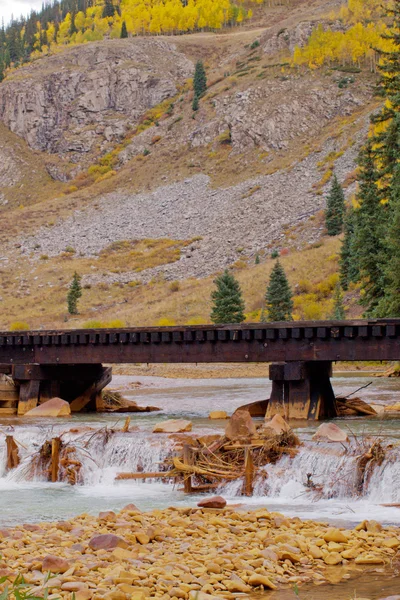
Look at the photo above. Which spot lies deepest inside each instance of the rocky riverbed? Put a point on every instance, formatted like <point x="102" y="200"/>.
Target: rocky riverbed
<point x="187" y="553"/>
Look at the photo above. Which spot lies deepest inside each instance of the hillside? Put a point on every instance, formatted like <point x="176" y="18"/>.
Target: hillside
<point x="105" y="169"/>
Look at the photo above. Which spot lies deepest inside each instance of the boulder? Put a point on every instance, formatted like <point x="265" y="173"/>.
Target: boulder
<point x="218" y="414"/>
<point x="54" y="564"/>
<point x="107" y="541"/>
<point x="110" y="401"/>
<point x="258" y="580"/>
<point x="214" y="502"/>
<point x="331" y="433"/>
<point x="55" y="407"/>
<point x="275" y="426"/>
<point x="173" y="426"/>
<point x="240" y="425"/>
<point x="335" y="535"/>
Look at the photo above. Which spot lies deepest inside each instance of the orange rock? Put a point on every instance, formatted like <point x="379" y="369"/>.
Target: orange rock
<point x="240" y="425"/>
<point x="214" y="502"/>
<point x="173" y="426"/>
<point x="56" y="407"/>
<point x="275" y="426"/>
<point x="54" y="564"/>
<point x="331" y="433"/>
<point x="107" y="541"/>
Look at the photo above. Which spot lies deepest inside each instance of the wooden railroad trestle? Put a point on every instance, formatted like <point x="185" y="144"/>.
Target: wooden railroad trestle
<point x="68" y="363"/>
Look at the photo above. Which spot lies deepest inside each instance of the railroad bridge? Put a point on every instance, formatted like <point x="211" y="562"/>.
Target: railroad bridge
<point x="69" y="363"/>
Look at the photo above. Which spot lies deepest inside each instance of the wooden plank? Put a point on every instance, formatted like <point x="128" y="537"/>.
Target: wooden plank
<point x="28" y="396"/>
<point x="8" y="411"/>
<point x="55" y="458"/>
<point x="248" y="472"/>
<point x="187" y="460"/>
<point x="12" y="453"/>
<point x="156" y="475"/>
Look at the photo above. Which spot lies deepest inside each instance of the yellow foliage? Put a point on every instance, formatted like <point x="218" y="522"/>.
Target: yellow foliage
<point x="164" y="322"/>
<point x="19" y="326"/>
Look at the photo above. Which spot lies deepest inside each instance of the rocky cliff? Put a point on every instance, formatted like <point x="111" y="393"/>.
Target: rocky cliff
<point x="72" y="103"/>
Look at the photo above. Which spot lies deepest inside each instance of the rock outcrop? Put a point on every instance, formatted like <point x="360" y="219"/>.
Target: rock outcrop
<point x="90" y="94"/>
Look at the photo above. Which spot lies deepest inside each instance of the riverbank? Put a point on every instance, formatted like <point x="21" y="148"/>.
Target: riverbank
<point x="230" y="370"/>
<point x="177" y="552"/>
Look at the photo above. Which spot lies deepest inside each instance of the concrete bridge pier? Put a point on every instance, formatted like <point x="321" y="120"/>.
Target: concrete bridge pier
<point x="302" y="390"/>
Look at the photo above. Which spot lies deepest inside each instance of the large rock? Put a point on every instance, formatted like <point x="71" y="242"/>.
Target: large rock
<point x="173" y="426"/>
<point x="275" y="426"/>
<point x="240" y="425"/>
<point x="107" y="541"/>
<point x="214" y="502"/>
<point x="56" y="407"/>
<point x="331" y="433"/>
<point x="54" y="564"/>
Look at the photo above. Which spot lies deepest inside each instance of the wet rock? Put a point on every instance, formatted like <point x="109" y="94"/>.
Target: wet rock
<point x="74" y="586"/>
<point x="214" y="502"/>
<point x="107" y="541"/>
<point x="240" y="425"/>
<point x="131" y="507"/>
<point x="55" y="407"/>
<point x="335" y="535"/>
<point x="275" y="426"/>
<point x="54" y="564"/>
<point x="331" y="433"/>
<point x="258" y="580"/>
<point x="218" y="414"/>
<point x="173" y="426"/>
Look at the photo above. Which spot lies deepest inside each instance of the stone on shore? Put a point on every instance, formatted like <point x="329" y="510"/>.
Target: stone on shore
<point x="331" y="433"/>
<point x="107" y="541"/>
<point x="55" y="407"/>
<point x="54" y="564"/>
<point x="218" y="414"/>
<point x="214" y="502"/>
<point x="240" y="425"/>
<point x="173" y="426"/>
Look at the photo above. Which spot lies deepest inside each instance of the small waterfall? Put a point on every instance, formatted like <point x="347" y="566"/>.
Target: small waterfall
<point x="102" y="453"/>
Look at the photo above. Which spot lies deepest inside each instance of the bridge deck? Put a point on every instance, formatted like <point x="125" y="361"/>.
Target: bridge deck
<point x="358" y="340"/>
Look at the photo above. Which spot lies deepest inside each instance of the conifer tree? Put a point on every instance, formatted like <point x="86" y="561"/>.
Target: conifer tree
<point x="348" y="257"/>
<point x="195" y="103"/>
<point x="199" y="80"/>
<point x="109" y="9"/>
<point x="278" y="298"/>
<point x="389" y="305"/>
<point x="2" y="75"/>
<point x="124" y="31"/>
<point x="335" y="208"/>
<point x="338" y="308"/>
<point x="369" y="234"/>
<point x="74" y="293"/>
<point x="228" y="305"/>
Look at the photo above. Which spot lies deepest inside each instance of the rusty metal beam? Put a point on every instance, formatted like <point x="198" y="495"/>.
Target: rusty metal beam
<point x="260" y="342"/>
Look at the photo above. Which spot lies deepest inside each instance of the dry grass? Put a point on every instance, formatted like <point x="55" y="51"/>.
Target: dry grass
<point x="151" y="304"/>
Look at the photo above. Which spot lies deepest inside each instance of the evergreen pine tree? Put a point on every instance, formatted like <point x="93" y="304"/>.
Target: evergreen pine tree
<point x="348" y="257"/>
<point x="369" y="234"/>
<point x="257" y="259"/>
<point x="74" y="293"/>
<point x="195" y="103"/>
<point x="278" y="298"/>
<point x="199" y="80"/>
<point x="124" y="31"/>
<point x="338" y="308"/>
<point x="389" y="305"/>
<point x="335" y="208"/>
<point x="228" y="305"/>
<point x="2" y="74"/>
<point x="109" y="9"/>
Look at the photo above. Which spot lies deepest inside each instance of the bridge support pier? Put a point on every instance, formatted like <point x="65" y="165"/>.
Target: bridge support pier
<point x="302" y="390"/>
<point x="80" y="385"/>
